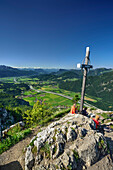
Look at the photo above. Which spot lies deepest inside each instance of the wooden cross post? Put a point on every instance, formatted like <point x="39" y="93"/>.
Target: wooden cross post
<point x="86" y="67"/>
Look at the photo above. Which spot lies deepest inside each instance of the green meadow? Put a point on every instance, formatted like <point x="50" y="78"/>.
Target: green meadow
<point x="30" y="92"/>
<point x="7" y="79"/>
<point x="56" y="89"/>
<point x="51" y="99"/>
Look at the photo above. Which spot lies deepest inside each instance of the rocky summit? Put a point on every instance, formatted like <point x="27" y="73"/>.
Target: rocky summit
<point x="69" y="143"/>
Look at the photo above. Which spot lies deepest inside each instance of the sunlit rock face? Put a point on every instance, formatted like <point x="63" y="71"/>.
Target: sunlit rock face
<point x="69" y="143"/>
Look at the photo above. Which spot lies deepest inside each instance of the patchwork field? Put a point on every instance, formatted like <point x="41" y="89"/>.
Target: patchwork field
<point x="32" y="96"/>
<point x="51" y="99"/>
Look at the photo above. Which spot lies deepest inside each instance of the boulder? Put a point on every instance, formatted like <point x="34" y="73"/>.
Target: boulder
<point x="69" y="143"/>
<point x="88" y="151"/>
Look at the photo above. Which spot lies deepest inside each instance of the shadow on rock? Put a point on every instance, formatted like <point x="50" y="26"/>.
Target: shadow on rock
<point x="11" y="166"/>
<point x="110" y="146"/>
<point x="104" y="164"/>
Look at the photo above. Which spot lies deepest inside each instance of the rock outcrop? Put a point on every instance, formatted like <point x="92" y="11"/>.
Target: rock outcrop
<point x="69" y="143"/>
<point x="7" y="118"/>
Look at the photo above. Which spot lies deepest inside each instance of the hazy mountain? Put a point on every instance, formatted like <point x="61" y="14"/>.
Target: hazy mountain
<point x="99" y="71"/>
<point x="79" y="72"/>
<point x="6" y="71"/>
<point x="69" y="75"/>
<point x="61" y="71"/>
<point x="41" y="70"/>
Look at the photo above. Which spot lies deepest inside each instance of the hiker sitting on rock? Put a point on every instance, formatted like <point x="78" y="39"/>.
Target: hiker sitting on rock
<point x="74" y="109"/>
<point x="99" y="127"/>
<point x="84" y="112"/>
<point x="96" y="120"/>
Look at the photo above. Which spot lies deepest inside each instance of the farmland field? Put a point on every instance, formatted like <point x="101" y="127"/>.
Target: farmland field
<point x="51" y="99"/>
<point x="32" y="96"/>
<point x="56" y="89"/>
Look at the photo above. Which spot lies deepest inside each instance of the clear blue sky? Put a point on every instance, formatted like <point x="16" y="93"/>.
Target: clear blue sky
<point x="55" y="33"/>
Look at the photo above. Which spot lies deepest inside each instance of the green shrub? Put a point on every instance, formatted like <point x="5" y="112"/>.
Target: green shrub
<point x="41" y="111"/>
<point x="54" y="138"/>
<point x="12" y="139"/>
<point x="56" y="115"/>
<point x="16" y="129"/>
<point x="104" y="115"/>
<point x="32" y="143"/>
<point x="101" y="144"/>
<point x="72" y="128"/>
<point x="69" y="167"/>
<point x="45" y="149"/>
<point x="76" y="98"/>
<point x="62" y="113"/>
<point x="92" y="108"/>
<point x="76" y="155"/>
<point x="111" y="126"/>
<point x="55" y="149"/>
<point x="43" y="122"/>
<point x="34" y="150"/>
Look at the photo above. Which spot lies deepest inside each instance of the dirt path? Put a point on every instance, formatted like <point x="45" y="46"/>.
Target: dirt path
<point x="14" y="157"/>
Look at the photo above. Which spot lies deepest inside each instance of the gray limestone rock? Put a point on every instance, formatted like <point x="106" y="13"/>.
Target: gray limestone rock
<point x="88" y="151"/>
<point x="82" y="132"/>
<point x="71" y="134"/>
<point x="38" y="159"/>
<point x="29" y="159"/>
<point x="68" y="143"/>
<point x="59" y="150"/>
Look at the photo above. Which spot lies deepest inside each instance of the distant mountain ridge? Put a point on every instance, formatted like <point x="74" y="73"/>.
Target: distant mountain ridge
<point x="7" y="71"/>
<point x="40" y="70"/>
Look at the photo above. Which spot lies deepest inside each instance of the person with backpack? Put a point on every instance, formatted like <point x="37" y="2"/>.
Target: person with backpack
<point x="96" y="120"/>
<point x="99" y="127"/>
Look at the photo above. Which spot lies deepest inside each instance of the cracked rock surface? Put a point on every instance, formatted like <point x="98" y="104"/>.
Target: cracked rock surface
<point x="68" y="143"/>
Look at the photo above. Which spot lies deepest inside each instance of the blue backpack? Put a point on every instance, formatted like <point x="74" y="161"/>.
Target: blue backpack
<point x="93" y="124"/>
